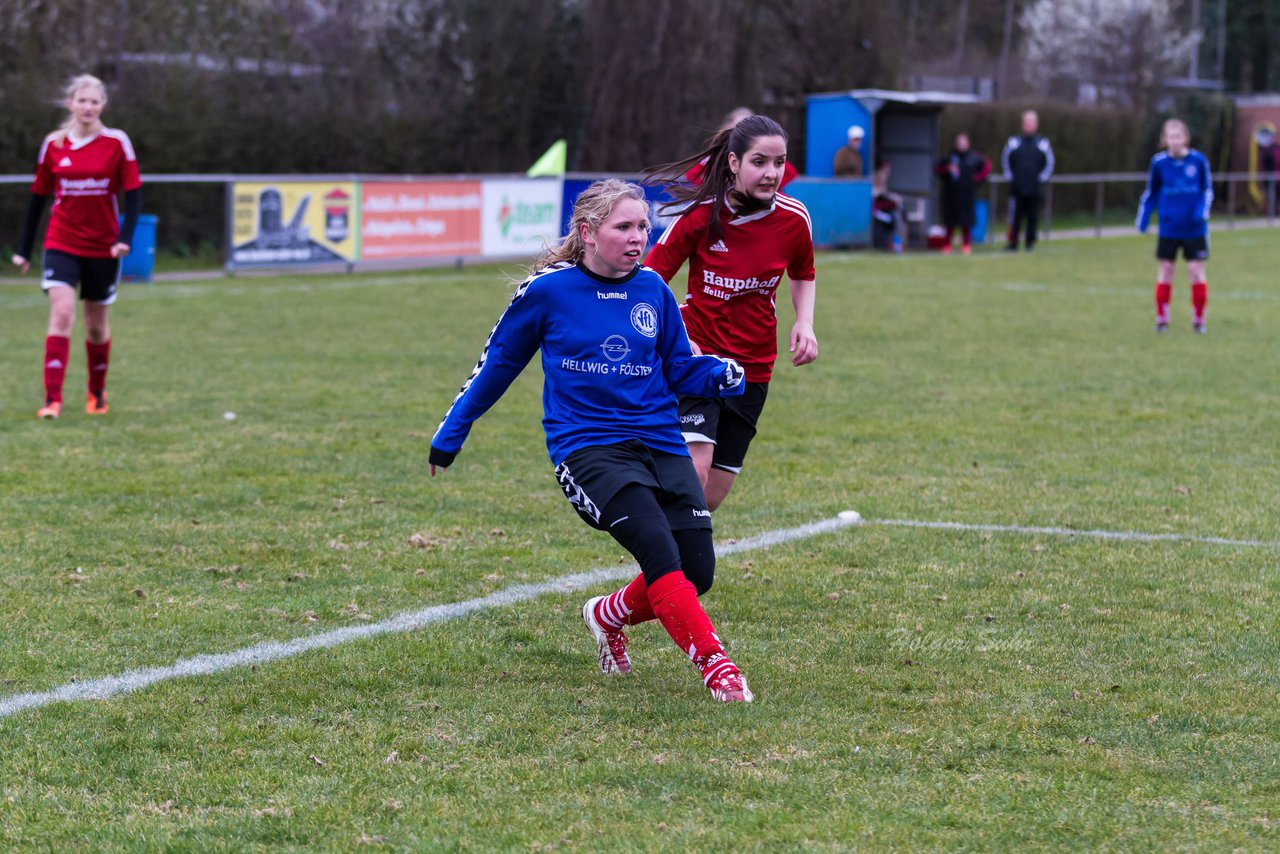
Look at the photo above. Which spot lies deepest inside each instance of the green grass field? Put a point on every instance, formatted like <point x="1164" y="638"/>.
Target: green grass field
<point x="916" y="688"/>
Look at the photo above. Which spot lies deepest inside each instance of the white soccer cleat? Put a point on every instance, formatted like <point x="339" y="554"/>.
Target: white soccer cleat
<point x="610" y="644"/>
<point x="723" y="678"/>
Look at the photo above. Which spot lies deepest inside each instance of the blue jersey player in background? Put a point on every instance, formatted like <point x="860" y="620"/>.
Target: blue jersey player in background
<point x="614" y="356"/>
<point x="1180" y="191"/>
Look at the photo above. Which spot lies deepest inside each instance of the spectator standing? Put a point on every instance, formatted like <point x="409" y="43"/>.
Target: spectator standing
<point x="1028" y="163"/>
<point x="961" y="172"/>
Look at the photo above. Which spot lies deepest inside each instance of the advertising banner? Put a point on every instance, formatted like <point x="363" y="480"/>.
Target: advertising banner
<point x="519" y="216"/>
<point x="286" y="222"/>
<point x="419" y="219"/>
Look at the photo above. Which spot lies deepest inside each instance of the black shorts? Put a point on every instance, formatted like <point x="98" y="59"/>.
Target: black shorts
<point x="97" y="277"/>
<point x="1193" y="248"/>
<point x="729" y="423"/>
<point x="591" y="477"/>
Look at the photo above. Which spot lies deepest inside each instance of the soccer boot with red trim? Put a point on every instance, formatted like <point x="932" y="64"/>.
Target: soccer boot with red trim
<point x="96" y="404"/>
<point x="723" y="678"/>
<point x="611" y="644"/>
<point x="51" y="409"/>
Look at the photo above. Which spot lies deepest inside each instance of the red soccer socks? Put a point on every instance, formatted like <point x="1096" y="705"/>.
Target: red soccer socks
<point x="57" y="349"/>
<point x="1199" y="299"/>
<point x="675" y="604"/>
<point x="99" y="355"/>
<point x="1164" y="293"/>
<point x="673" y="601"/>
<point x="626" y="607"/>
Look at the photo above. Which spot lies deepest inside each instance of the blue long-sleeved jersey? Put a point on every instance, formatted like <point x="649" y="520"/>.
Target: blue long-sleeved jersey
<point x="614" y="355"/>
<point x="1180" y="190"/>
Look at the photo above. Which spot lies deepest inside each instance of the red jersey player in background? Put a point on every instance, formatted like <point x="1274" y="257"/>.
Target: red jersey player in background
<point x="739" y="235"/>
<point x="84" y="166"/>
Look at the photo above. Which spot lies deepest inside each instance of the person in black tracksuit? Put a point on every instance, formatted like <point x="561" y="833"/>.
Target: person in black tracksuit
<point x="960" y="173"/>
<point x="1028" y="163"/>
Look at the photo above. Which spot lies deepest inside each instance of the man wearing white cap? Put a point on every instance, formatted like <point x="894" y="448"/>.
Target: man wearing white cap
<point x="848" y="161"/>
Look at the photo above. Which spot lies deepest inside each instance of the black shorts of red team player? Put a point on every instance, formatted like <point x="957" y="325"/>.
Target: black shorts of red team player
<point x="1193" y="248"/>
<point x="729" y="423"/>
<point x="591" y="477"/>
<point x="97" y="277"/>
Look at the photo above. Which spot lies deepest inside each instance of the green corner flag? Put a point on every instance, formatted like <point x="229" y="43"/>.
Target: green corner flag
<point x="551" y="162"/>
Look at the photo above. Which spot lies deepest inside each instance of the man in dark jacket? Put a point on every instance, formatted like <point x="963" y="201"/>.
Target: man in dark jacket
<point x="1028" y="163"/>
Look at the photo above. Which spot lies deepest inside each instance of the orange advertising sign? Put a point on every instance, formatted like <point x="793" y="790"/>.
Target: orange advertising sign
<point x="416" y="219"/>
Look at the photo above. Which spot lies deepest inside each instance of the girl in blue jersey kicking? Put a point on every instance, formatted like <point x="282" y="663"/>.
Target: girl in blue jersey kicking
<point x="614" y="356"/>
<point x="1180" y="190"/>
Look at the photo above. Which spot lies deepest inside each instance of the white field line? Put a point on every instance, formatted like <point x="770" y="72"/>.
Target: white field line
<point x="1127" y="536"/>
<point x="202" y="665"/>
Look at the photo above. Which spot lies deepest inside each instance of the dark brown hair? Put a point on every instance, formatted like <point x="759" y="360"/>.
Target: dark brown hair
<point x="717" y="179"/>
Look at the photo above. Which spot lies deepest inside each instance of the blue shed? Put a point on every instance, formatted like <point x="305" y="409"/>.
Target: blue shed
<point x="901" y="127"/>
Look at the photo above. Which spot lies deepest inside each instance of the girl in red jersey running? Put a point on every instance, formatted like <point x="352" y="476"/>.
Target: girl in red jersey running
<point x="84" y="166"/>
<point x="739" y="235"/>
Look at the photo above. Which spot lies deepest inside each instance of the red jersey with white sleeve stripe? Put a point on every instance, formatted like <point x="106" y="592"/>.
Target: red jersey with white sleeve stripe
<point x="730" y="309"/>
<point x="86" y="177"/>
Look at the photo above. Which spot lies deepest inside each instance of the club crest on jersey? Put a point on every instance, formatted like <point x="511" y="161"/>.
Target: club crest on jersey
<point x="615" y="348"/>
<point x="645" y="319"/>
<point x="1191" y="170"/>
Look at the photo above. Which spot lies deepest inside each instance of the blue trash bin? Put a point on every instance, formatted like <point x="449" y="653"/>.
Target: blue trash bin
<point x="980" y="215"/>
<point x="141" y="260"/>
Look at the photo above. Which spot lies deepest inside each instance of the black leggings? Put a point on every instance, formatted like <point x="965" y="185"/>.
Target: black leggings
<point x="636" y="520"/>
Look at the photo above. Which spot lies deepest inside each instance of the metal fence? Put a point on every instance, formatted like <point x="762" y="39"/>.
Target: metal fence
<point x="1092" y="201"/>
<point x="192" y="207"/>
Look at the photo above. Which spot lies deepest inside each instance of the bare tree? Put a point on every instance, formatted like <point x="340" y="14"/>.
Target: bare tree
<point x="1006" y="46"/>
<point x="1125" y="48"/>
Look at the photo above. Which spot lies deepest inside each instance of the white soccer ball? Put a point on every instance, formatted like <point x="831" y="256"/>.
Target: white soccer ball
<point x="229" y="416"/>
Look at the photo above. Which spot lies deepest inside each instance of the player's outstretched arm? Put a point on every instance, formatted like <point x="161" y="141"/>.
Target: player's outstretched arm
<point x="687" y="372"/>
<point x="511" y="344"/>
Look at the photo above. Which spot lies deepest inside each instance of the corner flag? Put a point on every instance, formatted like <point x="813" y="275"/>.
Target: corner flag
<point x="551" y="162"/>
